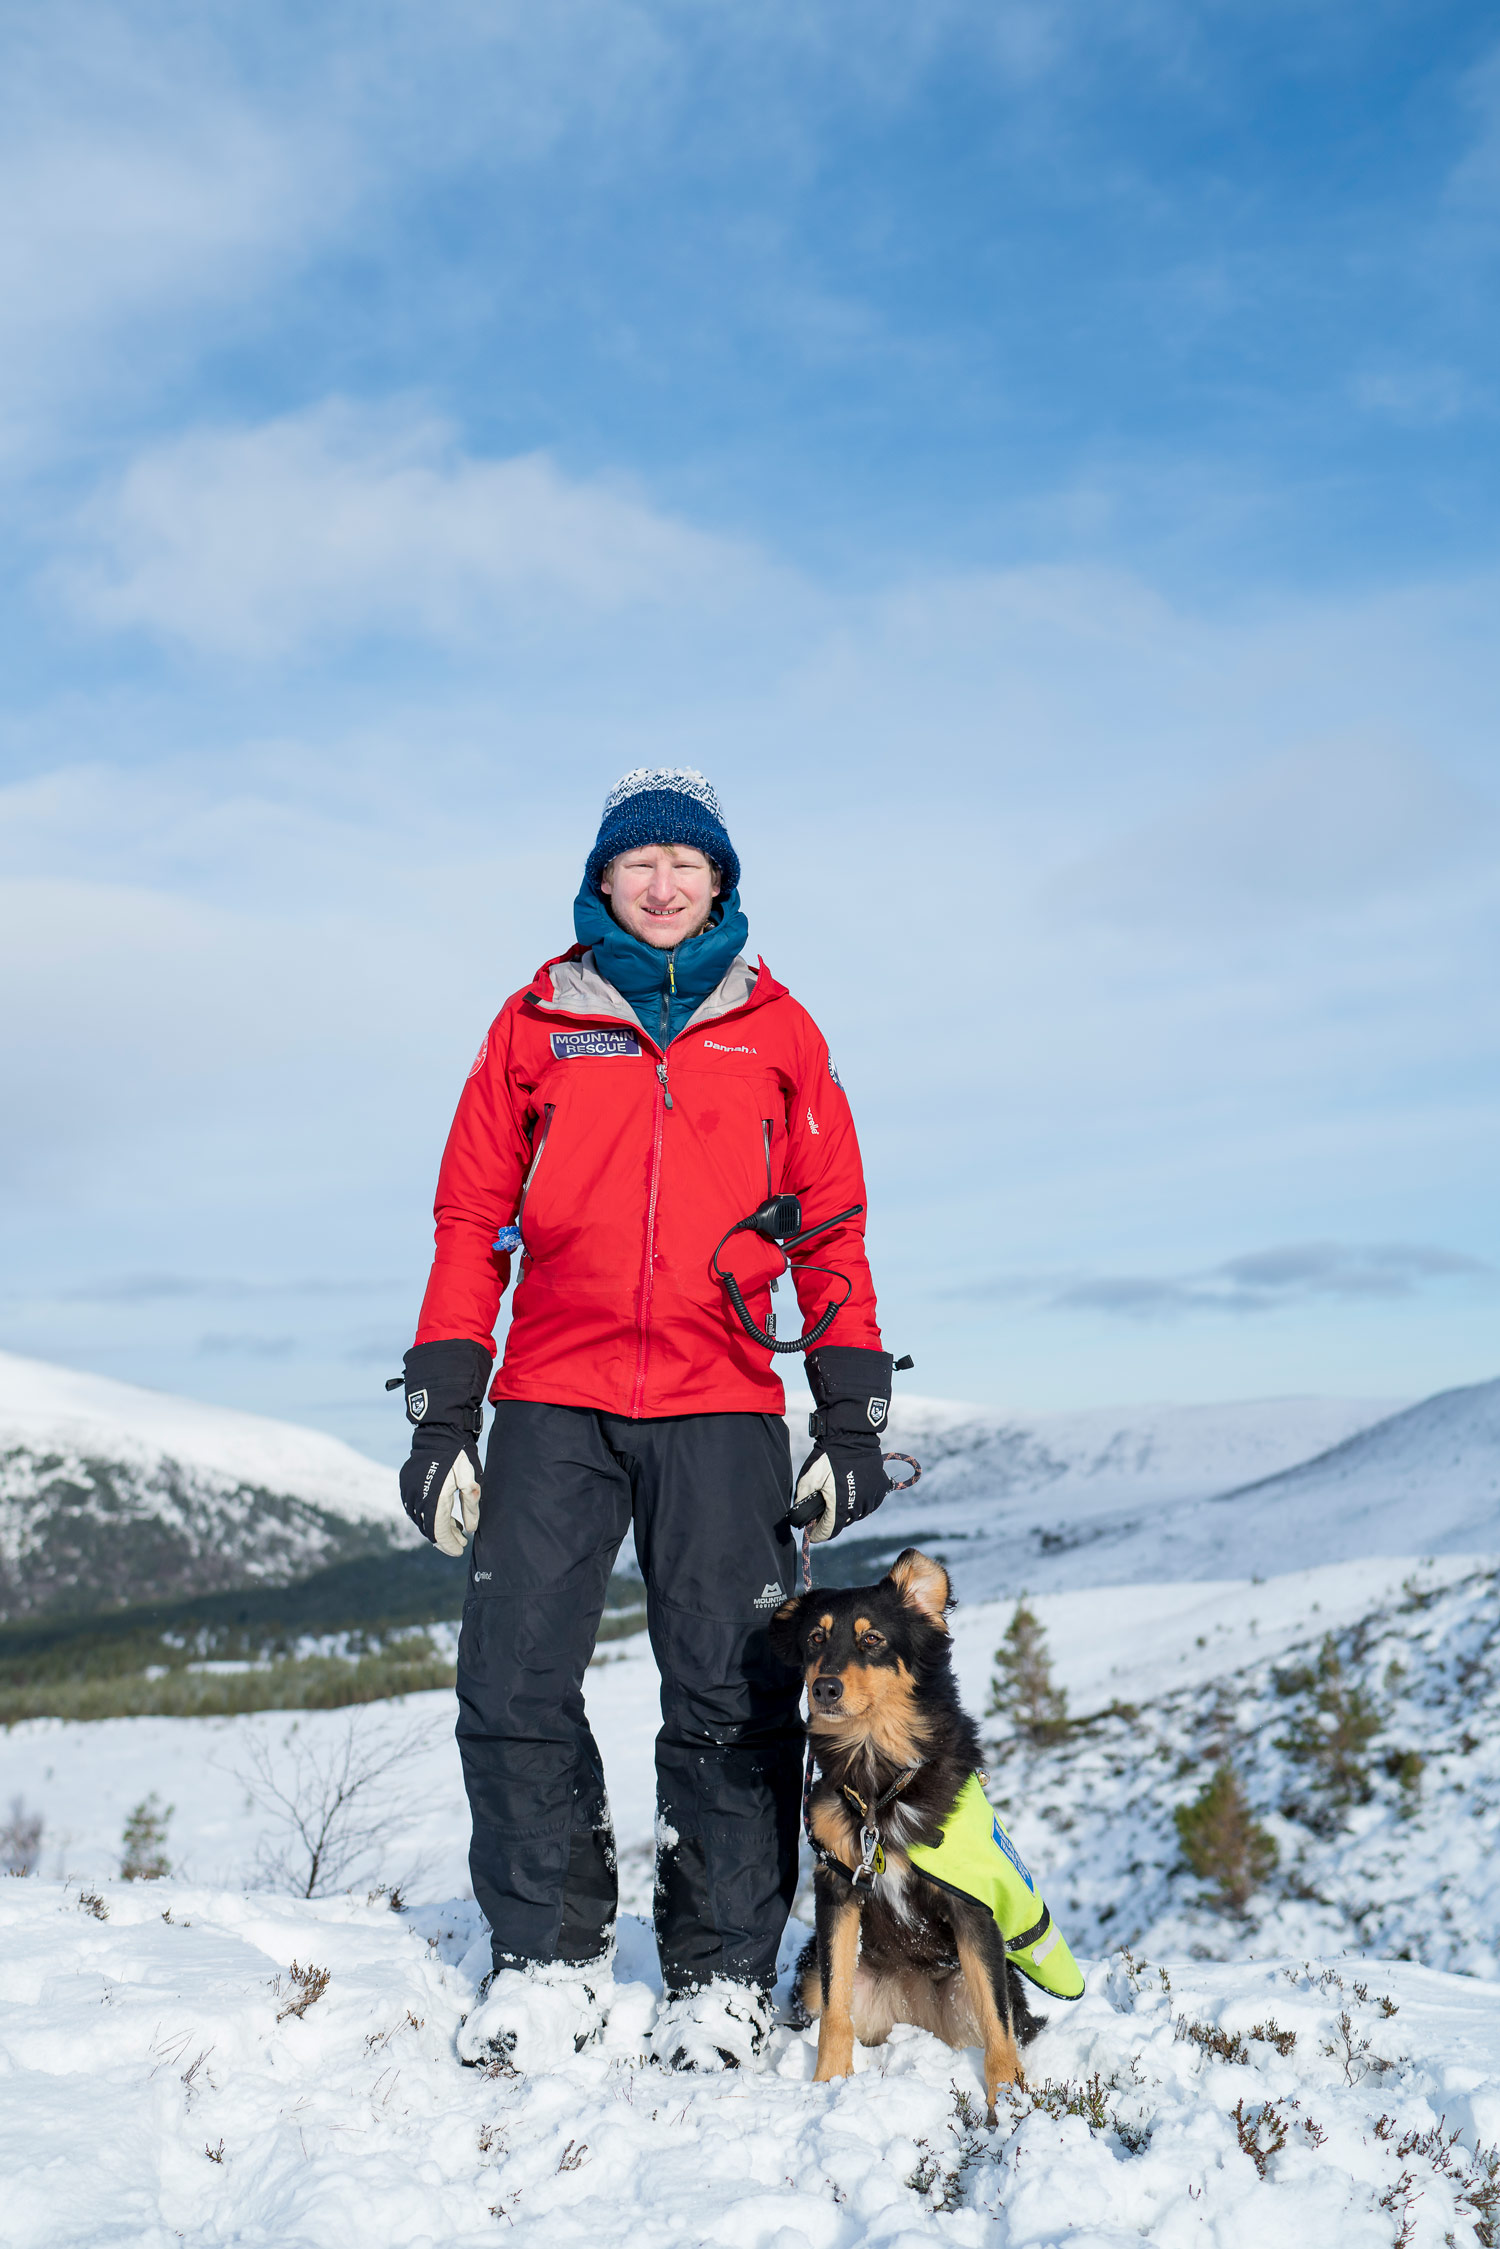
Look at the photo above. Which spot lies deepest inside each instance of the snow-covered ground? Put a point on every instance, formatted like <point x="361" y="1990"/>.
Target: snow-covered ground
<point x="1152" y="1642"/>
<point x="158" y="2089"/>
<point x="354" y="2120"/>
<point x="1296" y="2070"/>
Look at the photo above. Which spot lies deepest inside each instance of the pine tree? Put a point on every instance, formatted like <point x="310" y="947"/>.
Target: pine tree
<point x="144" y="1842"/>
<point x="1021" y="1688"/>
<point x="1331" y="1734"/>
<point x="1222" y="1842"/>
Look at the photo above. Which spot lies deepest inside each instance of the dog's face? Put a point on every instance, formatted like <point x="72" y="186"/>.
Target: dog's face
<point x="863" y="1651"/>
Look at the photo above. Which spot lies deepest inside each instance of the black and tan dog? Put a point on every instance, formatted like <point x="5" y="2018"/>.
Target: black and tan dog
<point x="893" y="1748"/>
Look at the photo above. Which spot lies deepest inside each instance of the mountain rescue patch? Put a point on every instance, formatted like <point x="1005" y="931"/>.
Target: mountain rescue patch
<point x="478" y="1062"/>
<point x="572" y="1046"/>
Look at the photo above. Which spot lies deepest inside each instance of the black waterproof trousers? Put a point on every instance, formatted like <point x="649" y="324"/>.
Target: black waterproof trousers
<point x="707" y="1496"/>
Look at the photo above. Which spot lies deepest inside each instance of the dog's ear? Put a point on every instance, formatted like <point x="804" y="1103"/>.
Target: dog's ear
<point x="923" y="1585"/>
<point x="784" y="1634"/>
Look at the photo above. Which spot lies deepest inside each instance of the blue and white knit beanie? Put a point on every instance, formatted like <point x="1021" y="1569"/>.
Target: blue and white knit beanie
<point x="663" y="804"/>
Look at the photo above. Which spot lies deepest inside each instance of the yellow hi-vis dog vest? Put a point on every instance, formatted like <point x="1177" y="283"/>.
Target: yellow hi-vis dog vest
<point x="978" y="1859"/>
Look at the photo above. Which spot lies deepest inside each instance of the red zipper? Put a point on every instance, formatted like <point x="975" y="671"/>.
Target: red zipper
<point x="648" y="1269"/>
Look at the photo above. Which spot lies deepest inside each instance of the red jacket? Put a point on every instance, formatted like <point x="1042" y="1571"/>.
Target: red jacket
<point x="623" y="1165"/>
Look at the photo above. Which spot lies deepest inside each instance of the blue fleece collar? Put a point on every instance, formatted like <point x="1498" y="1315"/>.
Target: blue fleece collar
<point x="640" y="972"/>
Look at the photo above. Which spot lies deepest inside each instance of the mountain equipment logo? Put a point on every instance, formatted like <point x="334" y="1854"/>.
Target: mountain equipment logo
<point x="416" y="1404"/>
<point x="876" y="1410"/>
<point x="478" y="1062"/>
<point x="772" y="1597"/>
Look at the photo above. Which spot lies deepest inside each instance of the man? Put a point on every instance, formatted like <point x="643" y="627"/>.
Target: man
<point x="646" y="1091"/>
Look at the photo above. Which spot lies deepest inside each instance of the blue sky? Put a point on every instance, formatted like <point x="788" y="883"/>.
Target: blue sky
<point x="1040" y="461"/>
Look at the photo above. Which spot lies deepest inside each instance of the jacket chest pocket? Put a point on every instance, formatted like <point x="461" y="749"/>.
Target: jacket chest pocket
<point x="737" y="1122"/>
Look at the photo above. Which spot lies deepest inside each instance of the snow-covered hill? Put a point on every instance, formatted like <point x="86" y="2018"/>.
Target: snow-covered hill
<point x="110" y="1494"/>
<point x="1368" y="1749"/>
<point x="1186" y="1492"/>
<point x="1091" y="1498"/>
<point x="1429" y="1476"/>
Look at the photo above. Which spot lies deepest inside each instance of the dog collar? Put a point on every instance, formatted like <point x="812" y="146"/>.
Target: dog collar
<point x="871" y="1849"/>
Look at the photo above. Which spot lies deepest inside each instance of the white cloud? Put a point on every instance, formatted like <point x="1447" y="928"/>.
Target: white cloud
<point x="1421" y="396"/>
<point x="1316" y="830"/>
<point x="1475" y="179"/>
<point x="1271" y="1280"/>
<point x="141" y="179"/>
<point x="342" y="520"/>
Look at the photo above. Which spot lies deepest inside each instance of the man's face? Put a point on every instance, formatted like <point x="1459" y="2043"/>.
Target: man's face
<point x="662" y="894"/>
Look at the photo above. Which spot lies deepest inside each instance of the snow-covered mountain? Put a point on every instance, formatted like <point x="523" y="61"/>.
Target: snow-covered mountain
<point x="1101" y="1497"/>
<point x="1427" y="1478"/>
<point x="110" y="1494"/>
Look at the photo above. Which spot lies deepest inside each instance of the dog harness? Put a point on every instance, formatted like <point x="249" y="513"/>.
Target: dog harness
<point x="977" y="1859"/>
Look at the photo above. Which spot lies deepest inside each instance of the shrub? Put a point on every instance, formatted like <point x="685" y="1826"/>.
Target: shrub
<point x="406" y="1666"/>
<point x="20" y="1839"/>
<point x="1405" y="1767"/>
<point x="144" y="1842"/>
<point x="1021" y="1688"/>
<point x="333" y="1800"/>
<point x="1333" y="1730"/>
<point x="1222" y="1842"/>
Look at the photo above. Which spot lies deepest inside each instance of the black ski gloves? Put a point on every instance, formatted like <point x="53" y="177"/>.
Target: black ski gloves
<point x="445" y="1384"/>
<point x="843" y="1478"/>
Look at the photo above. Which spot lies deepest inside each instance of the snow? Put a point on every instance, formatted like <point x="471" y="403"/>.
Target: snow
<point x="1405" y="1864"/>
<point x="1109" y="1646"/>
<point x="158" y="2089"/>
<point x="45" y="1408"/>
<point x="1065" y="1499"/>
<point x="1175" y="1493"/>
<point x="1279" y="2073"/>
<point x="1148" y="1645"/>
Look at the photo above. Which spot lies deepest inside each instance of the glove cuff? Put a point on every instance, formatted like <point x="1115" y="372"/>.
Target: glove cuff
<point x="852" y="1391"/>
<point x="445" y="1382"/>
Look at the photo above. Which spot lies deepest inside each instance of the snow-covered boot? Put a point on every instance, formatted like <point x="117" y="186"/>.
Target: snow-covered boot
<point x="719" y="2025"/>
<point x="539" y="2016"/>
